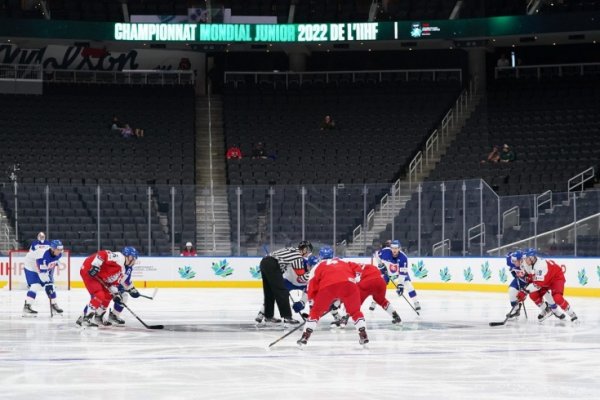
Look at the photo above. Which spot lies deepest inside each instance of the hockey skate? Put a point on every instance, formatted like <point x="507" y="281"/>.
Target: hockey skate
<point x="363" y="339"/>
<point x="574" y="317"/>
<point x="305" y="336"/>
<point x="545" y="312"/>
<point x="372" y="306"/>
<point x="56" y="308"/>
<point x="417" y="305"/>
<point x="290" y="321"/>
<point x="396" y="318"/>
<point x="340" y="323"/>
<point x="28" y="311"/>
<point x="271" y="321"/>
<point x="86" y="321"/>
<point x="259" y="317"/>
<point x="515" y="311"/>
<point x="115" y="319"/>
<point x="100" y="321"/>
<point x="558" y="313"/>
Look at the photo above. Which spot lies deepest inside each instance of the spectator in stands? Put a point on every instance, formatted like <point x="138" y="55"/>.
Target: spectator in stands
<point x="234" y="153"/>
<point x="116" y="126"/>
<point x="503" y="61"/>
<point x="493" y="156"/>
<point x="189" y="250"/>
<point x="328" y="123"/>
<point x="124" y="129"/>
<point x="507" y="154"/>
<point x="258" y="151"/>
<point x="184" y="64"/>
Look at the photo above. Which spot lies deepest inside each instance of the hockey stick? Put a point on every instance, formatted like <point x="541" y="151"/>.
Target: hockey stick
<point x="131" y="311"/>
<point x="289" y="333"/>
<point x="404" y="297"/>
<point x="505" y="319"/>
<point x="142" y="322"/>
<point x="523" y="302"/>
<point x="294" y="330"/>
<point x="499" y="323"/>
<point x="150" y="297"/>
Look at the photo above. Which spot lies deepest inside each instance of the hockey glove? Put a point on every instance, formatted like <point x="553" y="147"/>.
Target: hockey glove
<point x="117" y="298"/>
<point x="521" y="296"/>
<point x="298" y="306"/>
<point x="134" y="293"/>
<point x="400" y="289"/>
<point x="121" y="289"/>
<point x="49" y="288"/>
<point x="384" y="272"/>
<point x="93" y="270"/>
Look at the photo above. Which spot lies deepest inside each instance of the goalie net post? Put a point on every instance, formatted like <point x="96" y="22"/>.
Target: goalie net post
<point x="16" y="271"/>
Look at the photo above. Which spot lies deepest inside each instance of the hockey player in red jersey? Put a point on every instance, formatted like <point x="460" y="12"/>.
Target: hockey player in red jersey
<point x="372" y="283"/>
<point x="547" y="276"/>
<point x="333" y="279"/>
<point x="102" y="272"/>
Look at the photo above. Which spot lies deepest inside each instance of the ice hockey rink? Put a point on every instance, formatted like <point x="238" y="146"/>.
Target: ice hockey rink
<point x="211" y="349"/>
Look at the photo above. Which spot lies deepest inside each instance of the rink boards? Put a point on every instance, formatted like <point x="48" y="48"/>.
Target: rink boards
<point x="465" y="274"/>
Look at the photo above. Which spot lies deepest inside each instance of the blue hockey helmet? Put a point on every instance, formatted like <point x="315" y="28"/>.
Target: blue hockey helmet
<point x="517" y="254"/>
<point x="130" y="251"/>
<point x="530" y="252"/>
<point x="326" y="253"/>
<point x="395" y="244"/>
<point x="311" y="261"/>
<point x="56" y="245"/>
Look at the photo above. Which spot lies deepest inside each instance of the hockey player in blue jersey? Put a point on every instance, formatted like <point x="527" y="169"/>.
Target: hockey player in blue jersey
<point x="39" y="273"/>
<point x="126" y="288"/>
<point x="394" y="262"/>
<point x="40" y="242"/>
<point x="516" y="289"/>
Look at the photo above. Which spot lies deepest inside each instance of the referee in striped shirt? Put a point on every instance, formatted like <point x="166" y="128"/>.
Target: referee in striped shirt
<point x="272" y="268"/>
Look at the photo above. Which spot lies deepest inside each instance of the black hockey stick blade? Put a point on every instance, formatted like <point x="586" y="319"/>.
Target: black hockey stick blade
<point x="499" y="323"/>
<point x="142" y="322"/>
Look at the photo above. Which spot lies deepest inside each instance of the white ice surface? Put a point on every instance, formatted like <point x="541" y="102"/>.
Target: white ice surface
<point x="210" y="349"/>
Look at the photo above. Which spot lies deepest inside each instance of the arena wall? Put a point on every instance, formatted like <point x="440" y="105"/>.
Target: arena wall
<point x="427" y="273"/>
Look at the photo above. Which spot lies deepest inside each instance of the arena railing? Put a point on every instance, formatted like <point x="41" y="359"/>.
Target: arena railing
<point x="377" y="76"/>
<point x="21" y="72"/>
<point x="127" y="77"/>
<point x="541" y="71"/>
<point x="159" y="219"/>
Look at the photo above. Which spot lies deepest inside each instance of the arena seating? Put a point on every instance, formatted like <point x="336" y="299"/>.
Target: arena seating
<point x="379" y="128"/>
<point x="555" y="7"/>
<point x="551" y="124"/>
<point x="546" y="123"/>
<point x="62" y="139"/>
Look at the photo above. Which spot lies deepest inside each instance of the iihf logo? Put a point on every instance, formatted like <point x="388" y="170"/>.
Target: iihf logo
<point x="416" y="31"/>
